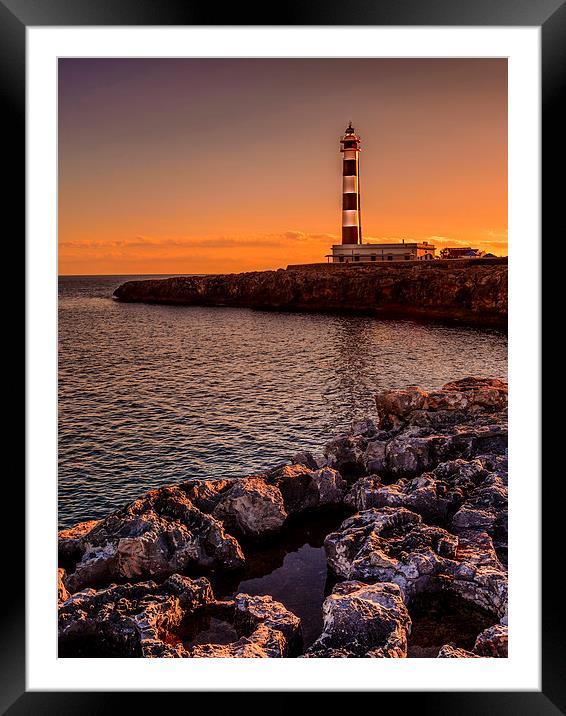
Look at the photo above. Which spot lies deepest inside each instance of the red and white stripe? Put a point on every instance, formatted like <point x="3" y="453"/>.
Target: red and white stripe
<point x="351" y="225"/>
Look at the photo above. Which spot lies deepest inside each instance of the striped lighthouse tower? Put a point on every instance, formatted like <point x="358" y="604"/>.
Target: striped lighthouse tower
<point x="351" y="226"/>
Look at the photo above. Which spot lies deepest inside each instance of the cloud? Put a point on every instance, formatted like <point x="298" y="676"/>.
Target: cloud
<point x="294" y="235"/>
<point x="229" y="252"/>
<point x="475" y="242"/>
<point x="497" y="234"/>
<point x="181" y="244"/>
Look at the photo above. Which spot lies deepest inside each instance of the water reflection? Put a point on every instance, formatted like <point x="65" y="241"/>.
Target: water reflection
<point x="291" y="567"/>
<point x="353" y="383"/>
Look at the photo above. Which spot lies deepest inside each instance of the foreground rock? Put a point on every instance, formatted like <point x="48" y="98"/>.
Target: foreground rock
<point x="129" y="620"/>
<point x="461" y="494"/>
<point x="465" y="291"/>
<point x="394" y="545"/>
<point x="362" y="620"/>
<point x="188" y="526"/>
<point x="490" y="643"/>
<point x="418" y="430"/>
<point x="248" y="506"/>
<point x="427" y="482"/>
<point x="453" y="652"/>
<point x="71" y="541"/>
<point x="141" y="620"/>
<point x="266" y="629"/>
<point x="260" y="504"/>
<point x="459" y="401"/>
<point x="62" y="593"/>
<point x="159" y="534"/>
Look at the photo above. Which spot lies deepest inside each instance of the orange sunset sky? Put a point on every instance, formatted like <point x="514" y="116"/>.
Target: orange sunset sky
<point x="210" y="166"/>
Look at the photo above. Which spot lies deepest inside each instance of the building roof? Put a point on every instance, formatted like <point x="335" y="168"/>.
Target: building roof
<point x="385" y="247"/>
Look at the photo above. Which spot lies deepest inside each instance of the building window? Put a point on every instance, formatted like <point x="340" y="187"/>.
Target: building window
<point x="373" y="257"/>
<point x="407" y="257"/>
<point x="341" y="259"/>
<point x="389" y="257"/>
<point x="356" y="258"/>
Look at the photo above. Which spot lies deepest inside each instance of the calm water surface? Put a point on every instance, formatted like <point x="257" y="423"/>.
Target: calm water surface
<point x="153" y="394"/>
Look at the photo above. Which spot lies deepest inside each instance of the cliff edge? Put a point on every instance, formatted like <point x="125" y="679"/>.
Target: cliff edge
<point x="472" y="292"/>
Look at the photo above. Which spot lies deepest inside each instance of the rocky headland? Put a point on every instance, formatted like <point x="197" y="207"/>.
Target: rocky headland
<point x="463" y="291"/>
<point x="423" y="489"/>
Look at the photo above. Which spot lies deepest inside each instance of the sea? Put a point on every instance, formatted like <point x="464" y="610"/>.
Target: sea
<point x="151" y="395"/>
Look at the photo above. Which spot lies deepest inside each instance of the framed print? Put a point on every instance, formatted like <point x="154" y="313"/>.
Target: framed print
<point x="283" y="327"/>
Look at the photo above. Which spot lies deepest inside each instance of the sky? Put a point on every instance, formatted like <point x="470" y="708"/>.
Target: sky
<point x="225" y="165"/>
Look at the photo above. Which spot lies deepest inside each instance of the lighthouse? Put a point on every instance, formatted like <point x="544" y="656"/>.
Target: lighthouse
<point x="351" y="250"/>
<point x="351" y="227"/>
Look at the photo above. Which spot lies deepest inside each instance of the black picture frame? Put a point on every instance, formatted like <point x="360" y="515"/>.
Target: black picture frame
<point x="550" y="16"/>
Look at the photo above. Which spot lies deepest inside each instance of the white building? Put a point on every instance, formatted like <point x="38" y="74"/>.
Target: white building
<point x="351" y="253"/>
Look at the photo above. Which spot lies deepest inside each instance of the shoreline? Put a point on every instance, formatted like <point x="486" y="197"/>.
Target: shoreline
<point x="425" y="488"/>
<point x="460" y="292"/>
